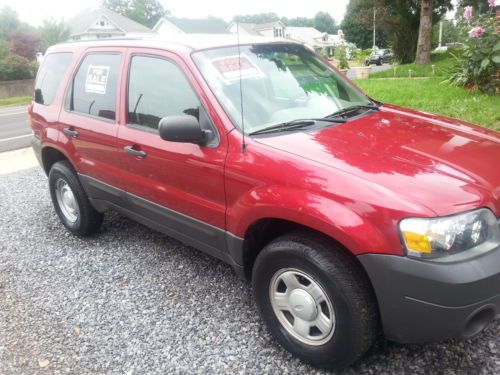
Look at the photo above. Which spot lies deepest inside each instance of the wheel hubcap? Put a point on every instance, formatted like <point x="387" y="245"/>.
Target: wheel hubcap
<point x="302" y="306"/>
<point x="66" y="200"/>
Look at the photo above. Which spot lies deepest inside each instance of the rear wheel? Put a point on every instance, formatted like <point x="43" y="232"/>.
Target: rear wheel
<point x="71" y="202"/>
<point x="315" y="300"/>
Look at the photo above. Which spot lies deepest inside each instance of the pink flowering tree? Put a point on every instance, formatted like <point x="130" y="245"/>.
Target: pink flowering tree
<point x="479" y="63"/>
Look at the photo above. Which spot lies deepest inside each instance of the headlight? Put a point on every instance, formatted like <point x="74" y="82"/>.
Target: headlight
<point x="437" y="237"/>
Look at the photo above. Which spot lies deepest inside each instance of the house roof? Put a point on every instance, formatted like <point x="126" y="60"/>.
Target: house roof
<point x="210" y="25"/>
<point x="84" y="20"/>
<point x="254" y="28"/>
<point x="309" y="35"/>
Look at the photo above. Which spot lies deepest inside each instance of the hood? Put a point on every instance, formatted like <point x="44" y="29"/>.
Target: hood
<point x="446" y="165"/>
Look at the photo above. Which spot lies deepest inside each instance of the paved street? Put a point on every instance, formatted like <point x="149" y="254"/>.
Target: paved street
<point x="375" y="68"/>
<point x="133" y="301"/>
<point x="14" y="128"/>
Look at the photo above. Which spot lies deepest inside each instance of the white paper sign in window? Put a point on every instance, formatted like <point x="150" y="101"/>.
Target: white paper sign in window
<point x="97" y="79"/>
<point x="229" y="68"/>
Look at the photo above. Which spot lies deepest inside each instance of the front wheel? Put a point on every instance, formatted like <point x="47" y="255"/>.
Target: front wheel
<point x="315" y="300"/>
<point x="71" y="202"/>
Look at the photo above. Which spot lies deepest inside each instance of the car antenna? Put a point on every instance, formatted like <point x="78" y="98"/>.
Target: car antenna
<point x="243" y="144"/>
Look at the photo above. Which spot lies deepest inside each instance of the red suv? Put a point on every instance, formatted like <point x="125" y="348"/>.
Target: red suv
<point x="349" y="216"/>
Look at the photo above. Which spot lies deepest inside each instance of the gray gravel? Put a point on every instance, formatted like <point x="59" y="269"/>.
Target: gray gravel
<point x="134" y="301"/>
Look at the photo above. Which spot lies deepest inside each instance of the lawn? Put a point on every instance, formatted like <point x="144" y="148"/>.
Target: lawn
<point x="18" y="100"/>
<point x="443" y="62"/>
<point x="430" y="95"/>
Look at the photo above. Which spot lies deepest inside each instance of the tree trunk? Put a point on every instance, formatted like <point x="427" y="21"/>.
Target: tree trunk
<point x="424" y="33"/>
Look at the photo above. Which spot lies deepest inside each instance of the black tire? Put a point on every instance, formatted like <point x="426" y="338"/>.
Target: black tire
<point x="88" y="219"/>
<point x="342" y="280"/>
<point x="379" y="62"/>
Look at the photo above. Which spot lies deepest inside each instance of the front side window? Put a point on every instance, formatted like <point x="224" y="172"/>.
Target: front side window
<point x="279" y="83"/>
<point x="94" y="87"/>
<point x="49" y="77"/>
<point x="158" y="88"/>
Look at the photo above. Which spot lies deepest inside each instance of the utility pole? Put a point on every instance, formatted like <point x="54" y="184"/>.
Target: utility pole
<point x="440" y="33"/>
<point x="374" y="23"/>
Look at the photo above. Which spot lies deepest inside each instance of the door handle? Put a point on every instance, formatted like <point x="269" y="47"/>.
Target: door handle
<point x="132" y="151"/>
<point x="71" y="132"/>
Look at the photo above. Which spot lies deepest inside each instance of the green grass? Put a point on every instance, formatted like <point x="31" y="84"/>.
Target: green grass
<point x="430" y="95"/>
<point x="443" y="62"/>
<point x="18" y="100"/>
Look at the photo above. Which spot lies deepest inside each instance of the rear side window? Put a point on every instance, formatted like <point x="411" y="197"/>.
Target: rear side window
<point x="49" y="77"/>
<point x="94" y="87"/>
<point x="158" y="88"/>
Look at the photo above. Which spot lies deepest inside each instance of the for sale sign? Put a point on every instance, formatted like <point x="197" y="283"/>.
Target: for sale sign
<point x="97" y="79"/>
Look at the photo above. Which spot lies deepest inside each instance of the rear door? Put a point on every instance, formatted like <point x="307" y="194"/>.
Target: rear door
<point x="177" y="187"/>
<point x="89" y="121"/>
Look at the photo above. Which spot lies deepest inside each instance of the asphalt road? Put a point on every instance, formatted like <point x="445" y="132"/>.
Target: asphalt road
<point x="15" y="131"/>
<point x="133" y="301"/>
<point x="375" y="68"/>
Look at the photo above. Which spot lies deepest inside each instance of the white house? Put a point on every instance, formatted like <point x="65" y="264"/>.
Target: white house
<point x="318" y="41"/>
<point x="104" y="23"/>
<point x="274" y="29"/>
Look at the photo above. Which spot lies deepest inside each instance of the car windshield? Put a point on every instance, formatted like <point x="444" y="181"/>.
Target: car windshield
<point x="280" y="83"/>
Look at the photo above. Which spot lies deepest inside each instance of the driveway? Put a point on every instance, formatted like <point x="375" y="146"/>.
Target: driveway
<point x="15" y="131"/>
<point x="375" y="68"/>
<point x="133" y="301"/>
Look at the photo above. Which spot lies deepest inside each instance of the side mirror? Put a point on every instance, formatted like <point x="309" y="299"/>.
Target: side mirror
<point x="185" y="129"/>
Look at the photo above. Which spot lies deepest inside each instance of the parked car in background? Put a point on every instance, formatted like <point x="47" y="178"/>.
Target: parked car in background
<point x="380" y="57"/>
<point x="350" y="217"/>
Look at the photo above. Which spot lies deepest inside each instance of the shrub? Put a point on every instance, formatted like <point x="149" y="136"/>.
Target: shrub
<point x="480" y="59"/>
<point x="15" y="67"/>
<point x="341" y="55"/>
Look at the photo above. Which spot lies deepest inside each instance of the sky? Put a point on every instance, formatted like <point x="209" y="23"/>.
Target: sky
<point x="34" y="11"/>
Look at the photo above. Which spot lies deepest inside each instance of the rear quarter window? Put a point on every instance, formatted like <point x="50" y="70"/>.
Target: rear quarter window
<point x="49" y="77"/>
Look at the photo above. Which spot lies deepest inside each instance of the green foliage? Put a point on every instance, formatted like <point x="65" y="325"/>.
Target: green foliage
<point x="325" y="23"/>
<point x="397" y="24"/>
<point x="8" y="21"/>
<point x="450" y="33"/>
<point x="4" y="49"/>
<point x="363" y="54"/>
<point x="443" y="63"/>
<point x="256" y="18"/>
<point x="15" y="67"/>
<point x="357" y="25"/>
<point x="145" y="12"/>
<point x="431" y="95"/>
<point x="298" y="21"/>
<point x="480" y="60"/>
<point x="53" y="32"/>
<point x="341" y="56"/>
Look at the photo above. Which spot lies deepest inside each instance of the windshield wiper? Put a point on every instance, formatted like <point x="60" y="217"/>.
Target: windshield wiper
<point x="296" y="124"/>
<point x="354" y="108"/>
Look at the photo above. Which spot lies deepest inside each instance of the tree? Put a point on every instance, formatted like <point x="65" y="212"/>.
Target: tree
<point x="399" y="20"/>
<point x="298" y="21"/>
<point x="52" y="32"/>
<point x="423" y="55"/>
<point x="357" y="25"/>
<point x="8" y="21"/>
<point x="325" y="23"/>
<point x="256" y="18"/>
<point x="450" y="33"/>
<point x="146" y="12"/>
<point x="24" y="43"/>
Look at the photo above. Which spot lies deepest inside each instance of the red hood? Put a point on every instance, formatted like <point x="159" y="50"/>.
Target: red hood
<point x="447" y="165"/>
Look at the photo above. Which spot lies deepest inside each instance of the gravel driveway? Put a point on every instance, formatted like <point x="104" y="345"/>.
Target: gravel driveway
<point x="134" y="301"/>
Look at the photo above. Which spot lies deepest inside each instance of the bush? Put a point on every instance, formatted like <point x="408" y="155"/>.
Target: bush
<point x="480" y="59"/>
<point x="15" y="67"/>
<point x="341" y="55"/>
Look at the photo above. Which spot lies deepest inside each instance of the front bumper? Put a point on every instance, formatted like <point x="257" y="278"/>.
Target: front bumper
<point x="422" y="301"/>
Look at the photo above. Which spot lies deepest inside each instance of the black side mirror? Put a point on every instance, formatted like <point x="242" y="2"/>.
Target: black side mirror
<point x="185" y="129"/>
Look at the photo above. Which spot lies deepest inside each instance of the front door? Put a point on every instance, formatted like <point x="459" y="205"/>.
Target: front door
<point x="175" y="187"/>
